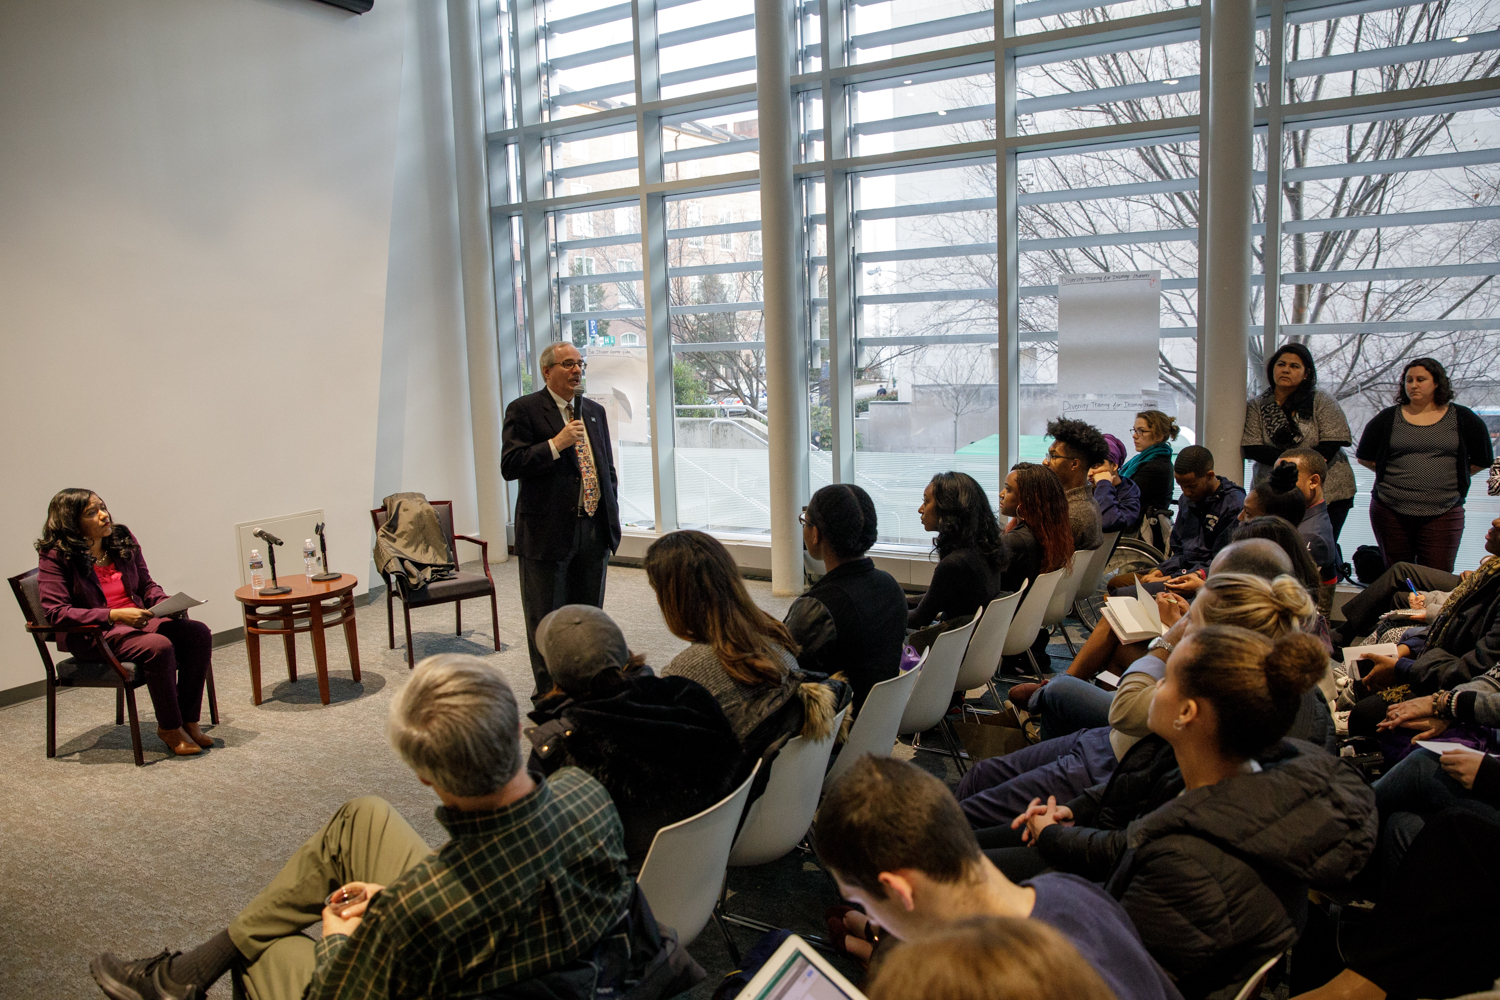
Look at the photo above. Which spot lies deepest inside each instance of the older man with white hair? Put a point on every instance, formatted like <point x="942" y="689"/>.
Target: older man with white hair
<point x="532" y="879"/>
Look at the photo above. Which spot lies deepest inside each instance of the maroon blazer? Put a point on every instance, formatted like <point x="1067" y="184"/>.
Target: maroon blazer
<point x="72" y="596"/>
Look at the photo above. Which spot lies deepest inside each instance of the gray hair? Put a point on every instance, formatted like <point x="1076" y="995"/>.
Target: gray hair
<point x="549" y="353"/>
<point x="456" y="724"/>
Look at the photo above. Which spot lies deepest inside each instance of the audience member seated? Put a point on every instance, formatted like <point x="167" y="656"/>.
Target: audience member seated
<point x="1206" y="514"/>
<point x="660" y="746"/>
<point x="1150" y="467"/>
<point x="1432" y="934"/>
<point x="1424" y="783"/>
<point x="1462" y="643"/>
<point x="1316" y="525"/>
<point x="90" y="571"/>
<point x="894" y="840"/>
<point x="1278" y="496"/>
<point x="1280" y="532"/>
<point x="970" y="555"/>
<point x="1118" y="498"/>
<point x="1037" y="539"/>
<point x="1405" y="587"/>
<point x="745" y="658"/>
<point x="987" y="958"/>
<point x="994" y="791"/>
<point x="1075" y="449"/>
<point x="852" y="622"/>
<point x="1218" y="857"/>
<point x="532" y="879"/>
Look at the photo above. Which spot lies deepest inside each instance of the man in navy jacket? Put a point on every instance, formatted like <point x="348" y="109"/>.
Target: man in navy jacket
<point x="567" y="510"/>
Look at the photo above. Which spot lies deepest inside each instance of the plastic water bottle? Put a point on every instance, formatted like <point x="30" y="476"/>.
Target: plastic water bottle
<point x="310" y="558"/>
<point x="257" y="571"/>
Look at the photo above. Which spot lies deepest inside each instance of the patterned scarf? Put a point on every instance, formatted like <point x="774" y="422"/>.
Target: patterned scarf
<point x="1281" y="429"/>
<point x="1159" y="450"/>
<point x="1480" y="578"/>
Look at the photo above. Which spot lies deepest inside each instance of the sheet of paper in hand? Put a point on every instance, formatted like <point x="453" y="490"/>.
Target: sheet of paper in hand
<point x="174" y="604"/>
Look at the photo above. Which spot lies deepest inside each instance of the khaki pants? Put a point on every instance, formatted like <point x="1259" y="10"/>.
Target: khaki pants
<point x="365" y="841"/>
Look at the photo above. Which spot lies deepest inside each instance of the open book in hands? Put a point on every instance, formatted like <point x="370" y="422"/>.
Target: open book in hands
<point x="1134" y="619"/>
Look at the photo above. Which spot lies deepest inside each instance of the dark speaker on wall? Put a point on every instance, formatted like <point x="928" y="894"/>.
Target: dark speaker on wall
<point x="358" y="6"/>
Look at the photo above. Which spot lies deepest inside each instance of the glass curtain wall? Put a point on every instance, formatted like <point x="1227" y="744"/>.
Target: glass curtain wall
<point x="961" y="171"/>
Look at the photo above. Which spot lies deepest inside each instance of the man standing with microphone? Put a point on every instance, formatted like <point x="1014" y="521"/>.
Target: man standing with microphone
<point x="567" y="512"/>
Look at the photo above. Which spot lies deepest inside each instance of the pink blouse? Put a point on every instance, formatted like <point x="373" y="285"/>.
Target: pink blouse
<point x="114" y="587"/>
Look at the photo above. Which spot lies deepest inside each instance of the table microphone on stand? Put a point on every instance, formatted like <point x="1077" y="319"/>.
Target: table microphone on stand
<point x="275" y="589"/>
<point x="326" y="575"/>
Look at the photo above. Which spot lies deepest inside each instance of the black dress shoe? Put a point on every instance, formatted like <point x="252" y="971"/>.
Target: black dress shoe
<point x="142" y="979"/>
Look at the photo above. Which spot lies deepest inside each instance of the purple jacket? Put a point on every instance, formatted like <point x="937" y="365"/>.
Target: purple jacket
<point x="74" y="597"/>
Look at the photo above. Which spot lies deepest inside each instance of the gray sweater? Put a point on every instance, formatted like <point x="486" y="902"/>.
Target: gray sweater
<point x="1328" y="423"/>
<point x="746" y="705"/>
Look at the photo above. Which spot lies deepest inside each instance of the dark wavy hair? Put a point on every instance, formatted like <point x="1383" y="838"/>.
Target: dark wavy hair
<point x="1442" y="393"/>
<point x="844" y="515"/>
<point x="703" y="599"/>
<point x="1284" y="533"/>
<point x="1301" y="399"/>
<point x="1081" y="438"/>
<point x="965" y="518"/>
<point x="1042" y="505"/>
<point x="63" y="531"/>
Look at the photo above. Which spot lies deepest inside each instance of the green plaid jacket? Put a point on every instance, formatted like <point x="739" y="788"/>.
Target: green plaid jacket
<point x="516" y="893"/>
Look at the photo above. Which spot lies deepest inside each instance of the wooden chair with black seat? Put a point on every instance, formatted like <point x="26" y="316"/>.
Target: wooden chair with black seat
<point x="73" y="672"/>
<point x="460" y="588"/>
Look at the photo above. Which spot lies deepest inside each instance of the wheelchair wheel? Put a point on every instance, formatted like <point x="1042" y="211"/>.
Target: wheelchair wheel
<point x="1132" y="555"/>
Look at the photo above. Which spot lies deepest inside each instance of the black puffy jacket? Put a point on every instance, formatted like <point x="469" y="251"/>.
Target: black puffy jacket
<point x="1216" y="878"/>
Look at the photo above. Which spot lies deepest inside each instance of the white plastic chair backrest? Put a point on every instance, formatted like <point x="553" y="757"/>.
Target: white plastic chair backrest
<point x="982" y="659"/>
<point x="685" y="866"/>
<point x="781" y="816"/>
<point x="929" y="700"/>
<point x="874" y="729"/>
<point x="1028" y="620"/>
<point x="1088" y="584"/>
<point x="1253" y="984"/>
<point x="1067" y="588"/>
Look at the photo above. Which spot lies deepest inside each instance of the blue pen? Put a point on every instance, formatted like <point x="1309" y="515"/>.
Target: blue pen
<point x="1411" y="586"/>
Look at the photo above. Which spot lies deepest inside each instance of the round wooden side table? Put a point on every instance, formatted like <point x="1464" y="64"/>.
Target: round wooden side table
<point x="312" y="604"/>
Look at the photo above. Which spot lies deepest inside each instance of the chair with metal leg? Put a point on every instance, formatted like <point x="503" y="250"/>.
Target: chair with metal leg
<point x="874" y="729"/>
<point x="933" y="694"/>
<point x="1028" y="620"/>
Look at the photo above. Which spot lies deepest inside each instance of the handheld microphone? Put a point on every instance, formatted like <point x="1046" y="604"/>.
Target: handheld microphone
<point x="266" y="536"/>
<point x="578" y="401"/>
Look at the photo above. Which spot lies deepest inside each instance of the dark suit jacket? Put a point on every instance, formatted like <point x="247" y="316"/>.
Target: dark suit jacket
<point x="547" y="507"/>
<point x="71" y="594"/>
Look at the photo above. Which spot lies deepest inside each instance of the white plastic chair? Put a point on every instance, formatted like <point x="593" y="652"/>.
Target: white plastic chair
<point x="1088" y="584"/>
<point x="874" y="729"/>
<point x="1063" y="597"/>
<point x="685" y="866"/>
<point x="1028" y="620"/>
<point x="934" y="691"/>
<point x="779" y="819"/>
<point x="982" y="659"/>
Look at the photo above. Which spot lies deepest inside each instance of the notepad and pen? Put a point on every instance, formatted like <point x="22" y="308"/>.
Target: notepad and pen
<point x="1134" y="619"/>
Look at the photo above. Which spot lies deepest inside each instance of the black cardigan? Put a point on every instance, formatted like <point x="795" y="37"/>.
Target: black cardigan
<point x="1155" y="481"/>
<point x="1474" y="447"/>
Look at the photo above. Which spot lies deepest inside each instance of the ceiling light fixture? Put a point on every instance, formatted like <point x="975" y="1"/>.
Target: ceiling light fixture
<point x="942" y="112"/>
<point x="1171" y="83"/>
<point x="1461" y="38"/>
<point x="906" y="81"/>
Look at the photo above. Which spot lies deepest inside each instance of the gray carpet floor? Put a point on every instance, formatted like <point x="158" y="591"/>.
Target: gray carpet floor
<point x="102" y="855"/>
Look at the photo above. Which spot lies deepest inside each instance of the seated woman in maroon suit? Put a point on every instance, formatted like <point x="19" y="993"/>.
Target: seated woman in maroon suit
<point x="92" y="573"/>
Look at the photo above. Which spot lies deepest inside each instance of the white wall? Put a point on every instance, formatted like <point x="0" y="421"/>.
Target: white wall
<point x="229" y="272"/>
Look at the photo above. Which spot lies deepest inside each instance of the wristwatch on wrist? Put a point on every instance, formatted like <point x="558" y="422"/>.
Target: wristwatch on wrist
<point x="1160" y="642"/>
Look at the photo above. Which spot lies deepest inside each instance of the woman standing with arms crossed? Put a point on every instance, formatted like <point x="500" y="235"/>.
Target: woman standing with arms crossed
<point x="1424" y="451"/>
<point x="91" y="572"/>
<point x="1294" y="413"/>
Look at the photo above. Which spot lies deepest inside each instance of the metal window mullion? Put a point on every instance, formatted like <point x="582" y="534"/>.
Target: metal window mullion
<point x="1271" y="242"/>
<point x="655" y="292"/>
<point x="537" y="262"/>
<point x="1007" y="237"/>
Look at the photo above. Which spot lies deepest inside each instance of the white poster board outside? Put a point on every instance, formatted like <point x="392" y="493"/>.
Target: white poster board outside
<point x="617" y="381"/>
<point x="1108" y="339"/>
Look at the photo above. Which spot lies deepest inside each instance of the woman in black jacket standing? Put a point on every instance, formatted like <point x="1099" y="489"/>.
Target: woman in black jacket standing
<point x="1424" y="451"/>
<point x="1221" y="848"/>
<point x="853" y="620"/>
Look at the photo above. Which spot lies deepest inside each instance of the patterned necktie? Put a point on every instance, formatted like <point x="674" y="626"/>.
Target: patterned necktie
<point x="586" y="467"/>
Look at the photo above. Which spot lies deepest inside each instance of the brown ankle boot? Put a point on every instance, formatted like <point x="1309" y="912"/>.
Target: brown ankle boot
<point x="178" y="742"/>
<point x="195" y="734"/>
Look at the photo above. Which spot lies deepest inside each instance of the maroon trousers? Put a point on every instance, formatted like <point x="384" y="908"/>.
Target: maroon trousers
<point x="1427" y="541"/>
<point x="173" y="655"/>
